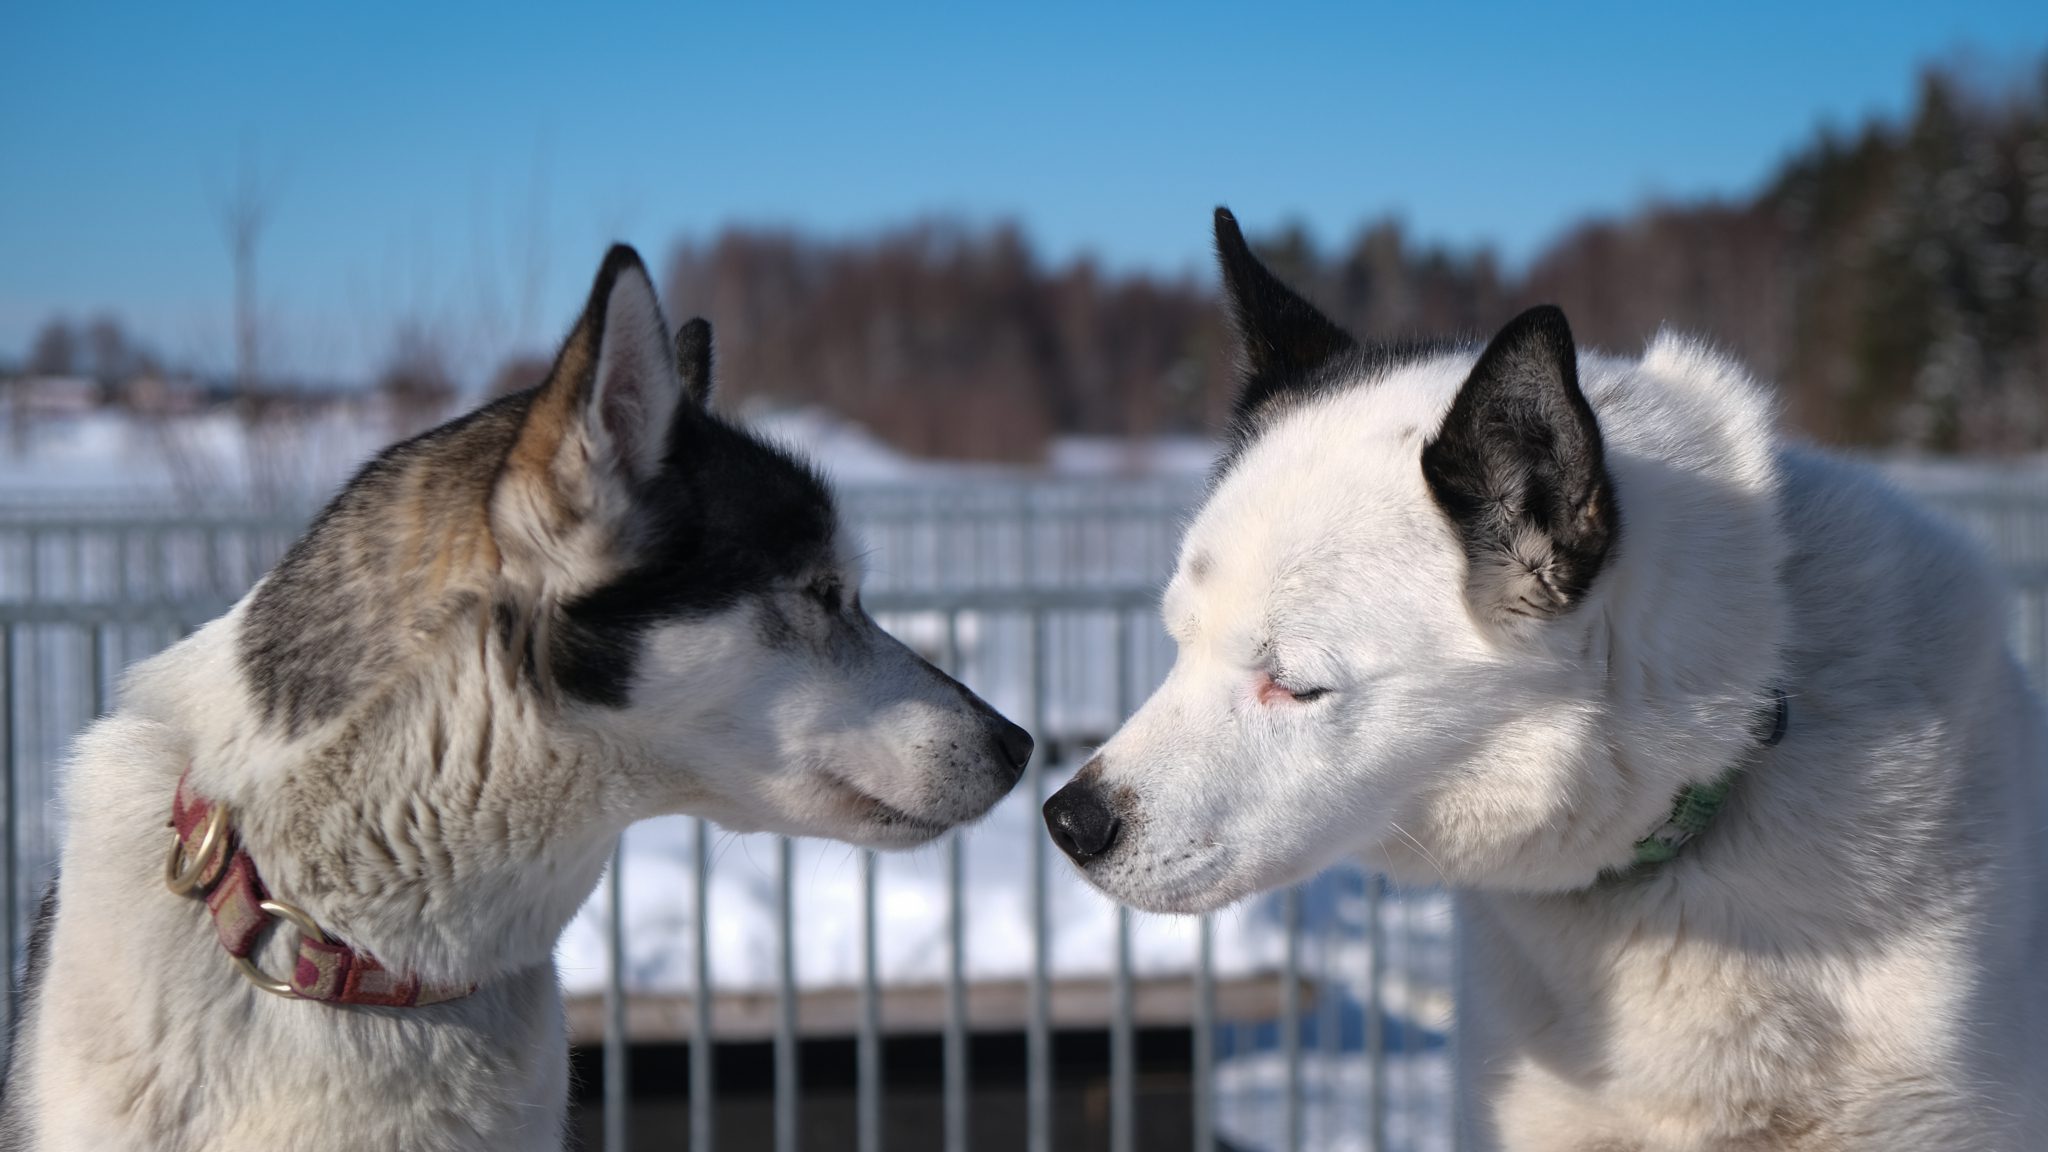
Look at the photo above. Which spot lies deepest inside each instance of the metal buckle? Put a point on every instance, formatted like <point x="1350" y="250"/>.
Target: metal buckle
<point x="304" y="923"/>
<point x="182" y="875"/>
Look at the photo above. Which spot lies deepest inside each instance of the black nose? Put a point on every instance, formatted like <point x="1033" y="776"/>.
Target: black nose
<point x="1016" y="745"/>
<point x="1081" y="821"/>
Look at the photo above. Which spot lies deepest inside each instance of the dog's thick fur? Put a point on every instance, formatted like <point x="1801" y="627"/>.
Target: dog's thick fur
<point x="502" y="643"/>
<point x="1478" y="615"/>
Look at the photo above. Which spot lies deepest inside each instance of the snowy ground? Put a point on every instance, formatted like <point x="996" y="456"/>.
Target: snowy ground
<point x="108" y="455"/>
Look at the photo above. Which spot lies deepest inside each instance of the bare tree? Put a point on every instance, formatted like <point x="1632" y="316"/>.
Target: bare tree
<point x="55" y="349"/>
<point x="245" y="211"/>
<point x="416" y="383"/>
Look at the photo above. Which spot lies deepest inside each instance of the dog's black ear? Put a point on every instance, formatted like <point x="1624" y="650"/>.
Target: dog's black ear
<point x="693" y="359"/>
<point x="1519" y="470"/>
<point x="1281" y="337"/>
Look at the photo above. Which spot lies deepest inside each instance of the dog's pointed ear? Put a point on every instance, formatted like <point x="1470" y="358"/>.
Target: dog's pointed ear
<point x="1519" y="470"/>
<point x="634" y="387"/>
<point x="596" y="433"/>
<point x="693" y="359"/>
<point x="600" y="426"/>
<point x="1281" y="337"/>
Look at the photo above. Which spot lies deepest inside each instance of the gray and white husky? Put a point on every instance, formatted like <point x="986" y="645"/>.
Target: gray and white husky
<point x="1522" y="620"/>
<point x="502" y="643"/>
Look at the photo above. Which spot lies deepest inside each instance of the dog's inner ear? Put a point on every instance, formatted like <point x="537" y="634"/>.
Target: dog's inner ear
<point x="635" y="388"/>
<point x="600" y="426"/>
<point x="1282" y="339"/>
<point x="1518" y="469"/>
<point x="693" y="359"/>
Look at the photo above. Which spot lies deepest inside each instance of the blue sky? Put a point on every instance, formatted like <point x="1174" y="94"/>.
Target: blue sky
<point x="464" y="165"/>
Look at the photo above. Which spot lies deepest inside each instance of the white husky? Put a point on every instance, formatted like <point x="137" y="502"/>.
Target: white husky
<point x="1524" y="621"/>
<point x="421" y="736"/>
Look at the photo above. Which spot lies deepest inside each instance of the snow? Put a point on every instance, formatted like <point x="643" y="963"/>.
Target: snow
<point x="108" y="454"/>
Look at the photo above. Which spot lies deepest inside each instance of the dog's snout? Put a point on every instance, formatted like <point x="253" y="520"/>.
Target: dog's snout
<point x="1013" y="744"/>
<point x="1016" y="744"/>
<point x="1081" y="821"/>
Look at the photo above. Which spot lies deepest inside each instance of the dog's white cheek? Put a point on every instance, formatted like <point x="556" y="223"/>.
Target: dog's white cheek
<point x="704" y="713"/>
<point x="770" y="726"/>
<point x="893" y="730"/>
<point x="1228" y="796"/>
<point x="1178" y="774"/>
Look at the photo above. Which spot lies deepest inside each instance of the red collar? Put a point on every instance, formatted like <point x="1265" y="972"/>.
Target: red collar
<point x="208" y="860"/>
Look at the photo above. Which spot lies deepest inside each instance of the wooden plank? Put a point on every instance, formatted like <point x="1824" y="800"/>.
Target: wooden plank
<point x="992" y="1006"/>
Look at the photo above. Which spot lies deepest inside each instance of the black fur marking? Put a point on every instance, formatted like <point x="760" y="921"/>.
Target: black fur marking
<point x="1281" y="337"/>
<point x="723" y="514"/>
<point x="727" y="516"/>
<point x="1288" y="352"/>
<point x="1520" y="451"/>
<point x="693" y="359"/>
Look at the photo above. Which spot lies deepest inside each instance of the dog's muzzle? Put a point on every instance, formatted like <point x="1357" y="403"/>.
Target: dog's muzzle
<point x="1016" y="745"/>
<point x="1081" y="821"/>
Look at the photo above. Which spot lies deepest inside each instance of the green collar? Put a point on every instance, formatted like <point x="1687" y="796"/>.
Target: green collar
<point x="1697" y="804"/>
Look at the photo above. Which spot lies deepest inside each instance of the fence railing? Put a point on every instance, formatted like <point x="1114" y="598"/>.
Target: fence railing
<point x="1319" y="1017"/>
<point x="1042" y="597"/>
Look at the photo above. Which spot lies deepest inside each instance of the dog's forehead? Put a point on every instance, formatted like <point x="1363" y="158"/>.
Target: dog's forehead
<point x="1333" y="474"/>
<point x="1325" y="517"/>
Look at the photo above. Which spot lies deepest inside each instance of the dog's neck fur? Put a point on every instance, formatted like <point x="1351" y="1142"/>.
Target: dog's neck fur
<point x="1852" y="838"/>
<point x="1677" y="703"/>
<point x="363" y="765"/>
<point x="333" y="815"/>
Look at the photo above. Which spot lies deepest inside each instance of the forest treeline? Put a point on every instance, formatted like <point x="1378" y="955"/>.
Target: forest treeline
<point x="1892" y="281"/>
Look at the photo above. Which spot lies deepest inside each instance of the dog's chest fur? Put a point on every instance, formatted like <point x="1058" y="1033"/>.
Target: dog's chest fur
<point x="143" y="1037"/>
<point x="1850" y="957"/>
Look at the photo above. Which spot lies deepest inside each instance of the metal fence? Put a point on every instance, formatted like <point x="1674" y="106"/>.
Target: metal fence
<point x="1319" y="1017"/>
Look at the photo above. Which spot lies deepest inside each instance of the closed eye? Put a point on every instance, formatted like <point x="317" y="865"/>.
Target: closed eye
<point x="1271" y="691"/>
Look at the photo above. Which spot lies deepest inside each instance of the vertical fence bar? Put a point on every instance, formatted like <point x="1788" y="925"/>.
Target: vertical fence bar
<point x="1123" y="1103"/>
<point x="1329" y="1018"/>
<point x="1375" y="1018"/>
<point x="869" y="1056"/>
<point x="1204" y="1087"/>
<point x="786" y="1087"/>
<point x="1290" y="1011"/>
<point x="11" y="902"/>
<point x="956" y="997"/>
<point x="210" y="540"/>
<point x="615" y="1004"/>
<point x="10" y="834"/>
<point x="955" y="1055"/>
<point x="1038" y="1032"/>
<point x="700" y="1002"/>
<point x="1402" y="959"/>
<point x="98" y="666"/>
<point x="2038" y="659"/>
<point x="1459" y="1135"/>
<point x="158" y="565"/>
